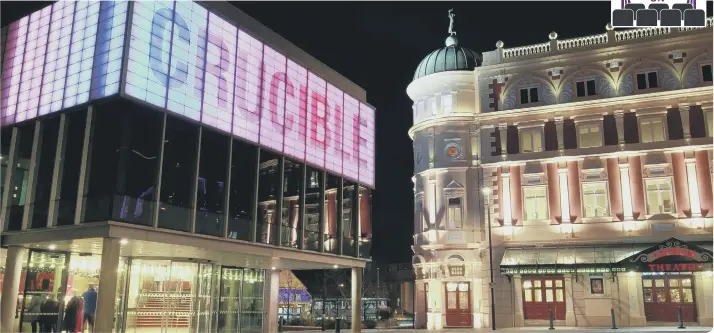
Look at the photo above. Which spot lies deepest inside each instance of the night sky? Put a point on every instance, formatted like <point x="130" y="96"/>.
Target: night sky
<point x="378" y="45"/>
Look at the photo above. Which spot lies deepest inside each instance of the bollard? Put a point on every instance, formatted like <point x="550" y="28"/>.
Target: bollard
<point x="338" y="323"/>
<point x="612" y="316"/>
<point x="679" y="316"/>
<point x="550" y="316"/>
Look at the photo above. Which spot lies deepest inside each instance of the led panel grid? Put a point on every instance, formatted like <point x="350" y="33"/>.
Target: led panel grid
<point x="34" y="58"/>
<point x="109" y="49"/>
<point x="315" y="146"/>
<point x="333" y="130"/>
<point x="188" y="54"/>
<point x="350" y="138"/>
<point x="273" y="99"/>
<point x="12" y="70"/>
<point x="57" y="58"/>
<point x="220" y="74"/>
<point x="295" y="111"/>
<point x="366" y="144"/>
<point x="84" y="38"/>
<point x="246" y="113"/>
<point x="148" y="63"/>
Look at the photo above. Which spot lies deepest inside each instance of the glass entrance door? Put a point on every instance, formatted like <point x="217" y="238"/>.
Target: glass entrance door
<point x="162" y="296"/>
<point x="43" y="287"/>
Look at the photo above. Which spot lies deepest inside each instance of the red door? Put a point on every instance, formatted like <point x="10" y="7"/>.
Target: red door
<point x="543" y="293"/>
<point x="458" y="304"/>
<point x="663" y="294"/>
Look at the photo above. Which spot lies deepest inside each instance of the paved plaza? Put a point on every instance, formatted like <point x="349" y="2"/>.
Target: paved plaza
<point x="655" y="329"/>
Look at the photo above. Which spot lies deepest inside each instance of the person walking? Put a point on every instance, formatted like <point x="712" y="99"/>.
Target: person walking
<point x="90" y="306"/>
<point x="32" y="314"/>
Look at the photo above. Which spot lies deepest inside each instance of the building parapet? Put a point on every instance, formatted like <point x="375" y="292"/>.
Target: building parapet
<point x="611" y="36"/>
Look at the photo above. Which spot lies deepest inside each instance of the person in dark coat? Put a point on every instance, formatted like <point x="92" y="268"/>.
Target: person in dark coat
<point x="50" y="311"/>
<point x="70" y="314"/>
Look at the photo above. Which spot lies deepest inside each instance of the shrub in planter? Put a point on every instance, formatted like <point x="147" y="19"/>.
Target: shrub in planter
<point x="297" y="321"/>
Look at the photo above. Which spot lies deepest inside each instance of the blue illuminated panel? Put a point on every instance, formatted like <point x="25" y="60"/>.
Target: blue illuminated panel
<point x="148" y="64"/>
<point x="57" y="57"/>
<point x="110" y="46"/>
<point x="35" y="48"/>
<point x="84" y="37"/>
<point x="188" y="54"/>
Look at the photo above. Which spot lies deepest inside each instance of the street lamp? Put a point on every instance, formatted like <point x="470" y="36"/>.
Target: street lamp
<point x="487" y="192"/>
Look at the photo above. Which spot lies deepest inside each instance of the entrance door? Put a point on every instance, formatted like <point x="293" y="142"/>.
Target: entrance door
<point x="42" y="291"/>
<point x="458" y="304"/>
<point x="541" y="294"/>
<point x="663" y="294"/>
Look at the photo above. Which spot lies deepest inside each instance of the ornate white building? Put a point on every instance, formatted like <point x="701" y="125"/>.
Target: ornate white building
<point x="591" y="156"/>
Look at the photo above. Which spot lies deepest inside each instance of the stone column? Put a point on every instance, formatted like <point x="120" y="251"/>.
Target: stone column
<point x="559" y="131"/>
<point x="108" y="279"/>
<point x="620" y="124"/>
<point x="503" y="134"/>
<point x="569" y="301"/>
<point x="684" y="114"/>
<point x="695" y="203"/>
<point x="519" y="318"/>
<point x="10" y="287"/>
<point x="436" y="301"/>
<point x="356" y="299"/>
<point x="703" y="297"/>
<point x="271" y="293"/>
<point x="627" y="209"/>
<point x="635" y="299"/>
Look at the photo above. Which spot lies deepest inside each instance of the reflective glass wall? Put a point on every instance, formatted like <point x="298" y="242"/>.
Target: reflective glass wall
<point x="122" y="162"/>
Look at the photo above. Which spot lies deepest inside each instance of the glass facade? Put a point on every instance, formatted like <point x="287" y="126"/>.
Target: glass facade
<point x="123" y="162"/>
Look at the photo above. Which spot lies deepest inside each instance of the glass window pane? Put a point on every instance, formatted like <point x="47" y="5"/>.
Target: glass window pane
<point x="674" y="283"/>
<point x="331" y="214"/>
<point x="268" y="192"/>
<point x="549" y="295"/>
<point x="648" y="295"/>
<point x="527" y="284"/>
<point x="463" y="300"/>
<point x="211" y="191"/>
<point x="674" y="296"/>
<point x="252" y="300"/>
<point x="537" y="283"/>
<point x="548" y="283"/>
<point x="646" y="131"/>
<point x="647" y="283"/>
<point x="524" y="96"/>
<point x="20" y="176"/>
<point x="559" y="295"/>
<point x="348" y="199"/>
<point x="241" y="205"/>
<point x="533" y="94"/>
<point x="538" y="295"/>
<point x="559" y="283"/>
<point x="528" y="295"/>
<point x="312" y="209"/>
<point x="451" y="300"/>
<point x="71" y="167"/>
<point x="687" y="295"/>
<point x="661" y="296"/>
<point x="659" y="283"/>
<point x="44" y="168"/>
<point x="686" y="282"/>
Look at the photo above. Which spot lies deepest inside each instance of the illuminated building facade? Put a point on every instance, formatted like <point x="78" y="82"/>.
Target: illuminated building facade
<point x="592" y="158"/>
<point x="177" y="156"/>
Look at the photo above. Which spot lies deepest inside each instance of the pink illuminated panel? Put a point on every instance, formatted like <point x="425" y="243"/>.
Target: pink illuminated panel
<point x="31" y="81"/>
<point x="188" y="53"/>
<point x="333" y="130"/>
<point x="316" y="114"/>
<point x="273" y="101"/>
<point x="148" y="64"/>
<point x="109" y="49"/>
<point x="295" y="111"/>
<point x="81" y="54"/>
<point x="350" y="130"/>
<point x="12" y="69"/>
<point x="366" y="144"/>
<point x="220" y="73"/>
<point x="249" y="70"/>
<point x="57" y="58"/>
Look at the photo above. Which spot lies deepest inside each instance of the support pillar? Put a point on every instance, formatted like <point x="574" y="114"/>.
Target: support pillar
<point x="695" y="203"/>
<point x="559" y="131"/>
<point x="503" y="134"/>
<point x="10" y="288"/>
<point x="620" y="124"/>
<point x="569" y="301"/>
<point x="356" y="299"/>
<point x="108" y="279"/>
<point x="684" y="115"/>
<point x="518" y="318"/>
<point x="703" y="297"/>
<point x="270" y="301"/>
<point x="564" y="197"/>
<point x="625" y="187"/>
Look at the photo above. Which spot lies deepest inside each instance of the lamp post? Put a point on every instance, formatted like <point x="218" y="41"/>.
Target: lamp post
<point x="487" y="192"/>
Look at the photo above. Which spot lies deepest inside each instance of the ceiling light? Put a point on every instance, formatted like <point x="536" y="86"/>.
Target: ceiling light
<point x="123" y="241"/>
<point x="52" y="246"/>
<point x="335" y="266"/>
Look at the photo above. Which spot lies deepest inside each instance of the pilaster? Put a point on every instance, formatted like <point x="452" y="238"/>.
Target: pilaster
<point x="559" y="132"/>
<point x="519" y="317"/>
<point x="503" y="134"/>
<point x="620" y="124"/>
<point x="692" y="184"/>
<point x="109" y="277"/>
<point x="569" y="301"/>
<point x="625" y="187"/>
<point x="684" y="114"/>
<point x="703" y="297"/>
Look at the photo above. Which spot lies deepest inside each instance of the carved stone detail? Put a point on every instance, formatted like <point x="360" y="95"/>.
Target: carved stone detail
<point x="509" y="102"/>
<point x="671" y="82"/>
<point x="627" y="85"/>
<point x="691" y="77"/>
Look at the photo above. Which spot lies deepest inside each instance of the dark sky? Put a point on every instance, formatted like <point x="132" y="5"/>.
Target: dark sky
<point x="378" y="45"/>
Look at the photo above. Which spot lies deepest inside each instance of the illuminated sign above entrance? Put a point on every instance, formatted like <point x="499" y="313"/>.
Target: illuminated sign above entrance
<point x="675" y="267"/>
<point x="181" y="57"/>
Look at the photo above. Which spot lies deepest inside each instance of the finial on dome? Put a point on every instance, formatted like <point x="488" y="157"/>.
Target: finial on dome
<point x="452" y="41"/>
<point x="452" y="32"/>
<point x="499" y="44"/>
<point x="553" y="35"/>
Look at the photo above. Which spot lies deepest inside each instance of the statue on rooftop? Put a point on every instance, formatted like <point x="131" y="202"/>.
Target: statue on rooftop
<point x="451" y="22"/>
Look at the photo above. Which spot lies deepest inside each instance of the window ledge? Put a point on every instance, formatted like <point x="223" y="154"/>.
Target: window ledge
<point x="598" y="219"/>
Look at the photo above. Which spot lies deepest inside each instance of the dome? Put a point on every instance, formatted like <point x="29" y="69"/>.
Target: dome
<point x="451" y="57"/>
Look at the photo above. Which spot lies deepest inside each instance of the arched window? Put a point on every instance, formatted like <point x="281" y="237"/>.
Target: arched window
<point x="456" y="265"/>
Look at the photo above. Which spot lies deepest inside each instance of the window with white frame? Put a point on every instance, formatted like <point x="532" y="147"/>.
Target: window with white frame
<point x="660" y="197"/>
<point x="647" y="80"/>
<point x="535" y="203"/>
<point x="595" y="202"/>
<point x="589" y="135"/>
<point x="585" y="88"/>
<point x="421" y="224"/>
<point x="432" y="106"/>
<point x="447" y="104"/>
<point x="531" y="140"/>
<point x="708" y="118"/>
<point x="314" y="179"/>
<point x="652" y="130"/>
<point x="529" y="95"/>
<point x="454" y="213"/>
<point x="706" y="73"/>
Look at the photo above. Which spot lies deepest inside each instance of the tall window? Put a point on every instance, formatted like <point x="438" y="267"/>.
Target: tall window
<point x="589" y="136"/>
<point x="707" y="73"/>
<point x="529" y="95"/>
<point x="432" y="106"/>
<point x="647" y="80"/>
<point x="652" y="130"/>
<point x="420" y="224"/>
<point x="535" y="203"/>
<point x="447" y="104"/>
<point x="585" y="88"/>
<point x="531" y="141"/>
<point x="660" y="198"/>
<point x="595" y="199"/>
<point x="455" y="213"/>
